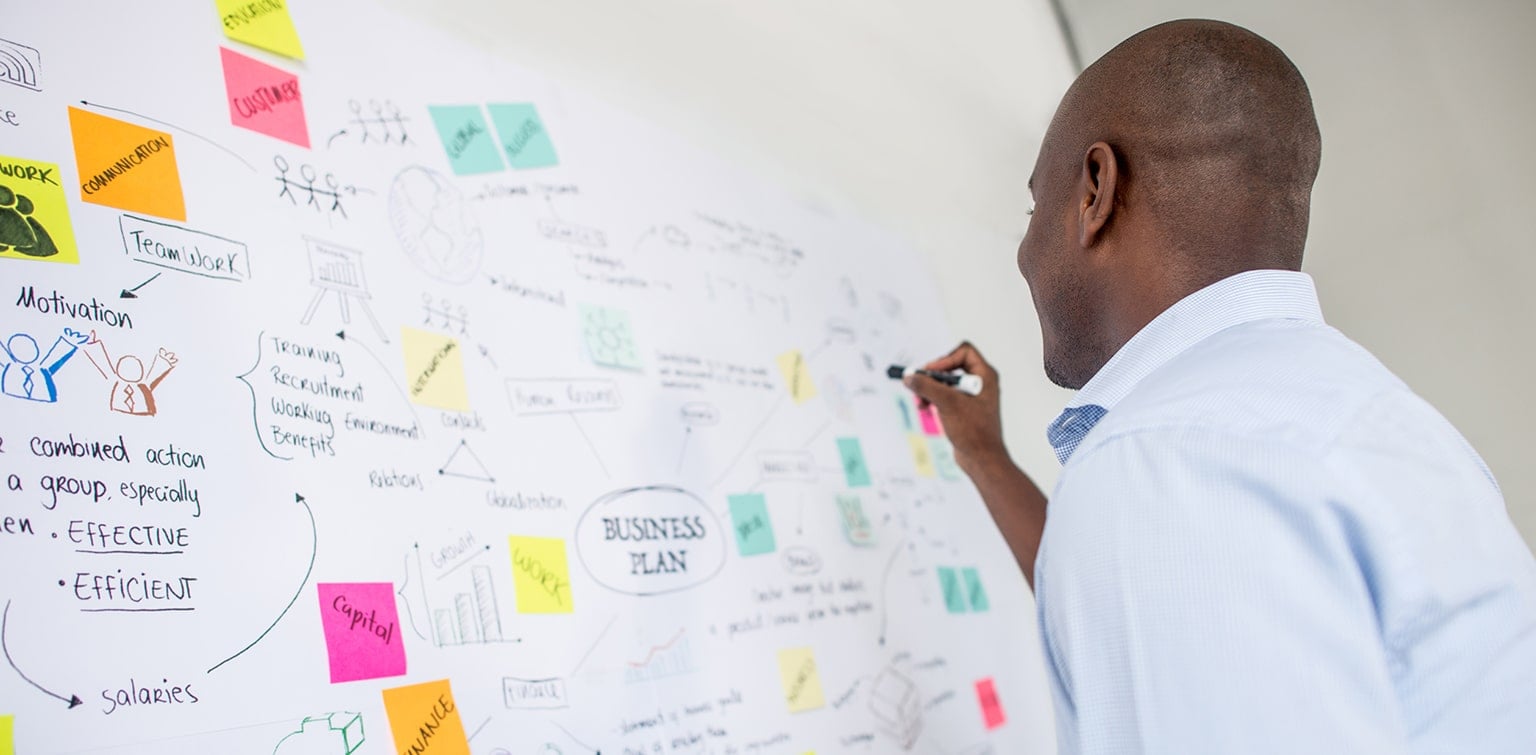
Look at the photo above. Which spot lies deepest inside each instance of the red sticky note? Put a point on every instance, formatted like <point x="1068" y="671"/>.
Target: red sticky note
<point x="991" y="707"/>
<point x="362" y="630"/>
<point x="930" y="419"/>
<point x="264" y="98"/>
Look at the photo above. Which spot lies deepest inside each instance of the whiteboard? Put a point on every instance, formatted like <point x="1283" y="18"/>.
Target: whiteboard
<point x="397" y="399"/>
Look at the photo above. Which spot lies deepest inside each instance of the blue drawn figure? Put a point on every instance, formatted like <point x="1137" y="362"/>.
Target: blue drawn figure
<point x="133" y="387"/>
<point x="26" y="375"/>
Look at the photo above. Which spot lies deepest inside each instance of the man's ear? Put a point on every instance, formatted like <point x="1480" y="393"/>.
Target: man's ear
<point x="1100" y="177"/>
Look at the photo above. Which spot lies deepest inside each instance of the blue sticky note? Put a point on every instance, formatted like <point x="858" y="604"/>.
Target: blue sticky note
<point x="854" y="469"/>
<point x="524" y="140"/>
<point x="954" y="593"/>
<point x="467" y="139"/>
<point x="749" y="519"/>
<point x="975" y="594"/>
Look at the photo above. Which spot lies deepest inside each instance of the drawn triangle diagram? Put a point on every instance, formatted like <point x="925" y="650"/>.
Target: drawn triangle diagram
<point x="464" y="463"/>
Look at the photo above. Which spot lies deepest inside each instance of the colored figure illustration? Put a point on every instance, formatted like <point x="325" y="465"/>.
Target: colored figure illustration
<point x="26" y="375"/>
<point x="133" y="387"/>
<point x="19" y="231"/>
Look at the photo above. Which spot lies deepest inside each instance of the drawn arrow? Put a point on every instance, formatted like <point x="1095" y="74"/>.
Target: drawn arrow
<point x="314" y="543"/>
<point x="129" y="293"/>
<point x="342" y="132"/>
<point x="885" y="579"/>
<point x="687" y="433"/>
<point x="401" y="592"/>
<point x="141" y="116"/>
<point x="342" y="334"/>
<point x="73" y="700"/>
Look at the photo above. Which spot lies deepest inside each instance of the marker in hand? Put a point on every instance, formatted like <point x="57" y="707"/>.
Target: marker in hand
<point x="960" y="380"/>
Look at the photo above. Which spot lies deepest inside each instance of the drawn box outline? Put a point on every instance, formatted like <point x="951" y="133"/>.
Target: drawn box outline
<point x="245" y="251"/>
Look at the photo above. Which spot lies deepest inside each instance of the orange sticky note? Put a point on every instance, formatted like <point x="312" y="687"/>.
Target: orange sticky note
<point x="127" y="166"/>
<point x="424" y="719"/>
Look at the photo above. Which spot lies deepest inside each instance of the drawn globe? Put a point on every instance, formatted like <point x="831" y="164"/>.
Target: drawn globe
<point x="434" y="225"/>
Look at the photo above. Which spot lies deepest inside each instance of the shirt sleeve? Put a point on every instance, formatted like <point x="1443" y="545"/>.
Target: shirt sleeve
<point x="1204" y="595"/>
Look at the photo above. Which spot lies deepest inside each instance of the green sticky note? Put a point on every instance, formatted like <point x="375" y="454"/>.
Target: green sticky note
<point x="856" y="525"/>
<point x="854" y="469"/>
<point x="467" y="139"/>
<point x="944" y="459"/>
<point x="7" y="734"/>
<point x="749" y="519"/>
<point x="524" y="140"/>
<point x="610" y="342"/>
<point x="974" y="591"/>
<point x="954" y="593"/>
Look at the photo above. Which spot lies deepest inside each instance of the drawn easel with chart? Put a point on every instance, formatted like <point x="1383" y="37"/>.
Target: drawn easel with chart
<point x="339" y="270"/>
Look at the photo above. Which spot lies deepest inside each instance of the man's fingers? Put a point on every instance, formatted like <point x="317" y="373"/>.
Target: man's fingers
<point x="930" y="390"/>
<point x="964" y="357"/>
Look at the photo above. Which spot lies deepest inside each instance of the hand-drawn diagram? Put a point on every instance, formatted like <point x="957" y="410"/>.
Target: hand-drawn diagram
<point x="133" y="384"/>
<point x="20" y="65"/>
<point x="696" y="519"/>
<point x="315" y="196"/>
<point x="337" y="270"/>
<point x="27" y="375"/>
<point x="434" y="225"/>
<point x="324" y="734"/>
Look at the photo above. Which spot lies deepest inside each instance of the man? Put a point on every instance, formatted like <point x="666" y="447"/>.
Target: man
<point x="1262" y="541"/>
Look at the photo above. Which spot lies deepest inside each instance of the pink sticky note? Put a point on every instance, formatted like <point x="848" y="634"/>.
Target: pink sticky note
<point x="264" y="98"/>
<point x="991" y="707"/>
<point x="930" y="419"/>
<point x="362" y="630"/>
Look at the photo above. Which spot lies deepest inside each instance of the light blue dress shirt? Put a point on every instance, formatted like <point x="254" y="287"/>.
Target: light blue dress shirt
<point x="1263" y="542"/>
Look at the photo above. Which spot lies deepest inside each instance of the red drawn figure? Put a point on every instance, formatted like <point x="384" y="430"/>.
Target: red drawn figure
<point x="133" y="387"/>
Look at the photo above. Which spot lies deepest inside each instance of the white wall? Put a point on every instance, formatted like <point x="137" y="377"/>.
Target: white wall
<point x="1421" y="238"/>
<point x="924" y="118"/>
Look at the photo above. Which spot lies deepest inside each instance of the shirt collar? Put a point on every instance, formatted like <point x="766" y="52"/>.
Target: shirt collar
<point x="1245" y="297"/>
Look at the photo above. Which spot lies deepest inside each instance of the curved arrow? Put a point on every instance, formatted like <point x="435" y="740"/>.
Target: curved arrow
<point x="72" y="700"/>
<point x="314" y="543"/>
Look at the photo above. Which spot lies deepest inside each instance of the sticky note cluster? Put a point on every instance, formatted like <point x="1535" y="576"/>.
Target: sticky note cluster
<point x="519" y="138"/>
<point x="962" y="590"/>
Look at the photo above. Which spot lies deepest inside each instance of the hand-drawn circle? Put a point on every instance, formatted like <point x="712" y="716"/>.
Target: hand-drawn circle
<point x="433" y="223"/>
<point x="599" y="555"/>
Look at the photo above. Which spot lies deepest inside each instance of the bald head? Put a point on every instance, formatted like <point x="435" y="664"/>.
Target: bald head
<point x="1214" y="128"/>
<point x="1184" y="155"/>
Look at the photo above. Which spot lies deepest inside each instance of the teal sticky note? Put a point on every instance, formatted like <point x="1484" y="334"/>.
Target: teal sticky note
<point x="944" y="459"/>
<point x="749" y="519"/>
<point x="856" y="526"/>
<point x="954" y="593"/>
<point x="467" y="139"/>
<point x="854" y="469"/>
<point x="524" y="140"/>
<point x="609" y="339"/>
<point x="974" y="593"/>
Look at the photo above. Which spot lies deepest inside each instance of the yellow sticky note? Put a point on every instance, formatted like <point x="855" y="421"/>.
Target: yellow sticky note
<point x="7" y="734"/>
<point x="539" y="575"/>
<point x="424" y="719"/>
<point x="434" y="370"/>
<point x="34" y="216"/>
<point x="125" y="165"/>
<point x="796" y="377"/>
<point x="921" y="455"/>
<point x="802" y="686"/>
<point x="265" y="24"/>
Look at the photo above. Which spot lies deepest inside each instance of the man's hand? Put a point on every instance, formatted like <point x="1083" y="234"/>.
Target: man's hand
<point x="974" y="424"/>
